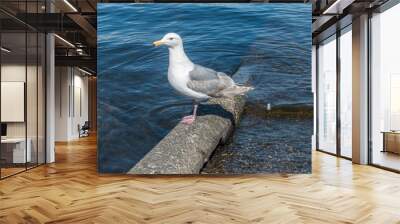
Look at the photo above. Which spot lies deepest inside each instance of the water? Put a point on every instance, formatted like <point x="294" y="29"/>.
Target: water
<point x="267" y="44"/>
<point x="267" y="144"/>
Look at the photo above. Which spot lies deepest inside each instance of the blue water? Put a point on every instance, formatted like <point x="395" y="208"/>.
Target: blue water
<point x="267" y="44"/>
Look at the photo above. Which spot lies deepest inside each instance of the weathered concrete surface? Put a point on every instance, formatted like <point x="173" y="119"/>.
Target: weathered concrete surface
<point x="187" y="147"/>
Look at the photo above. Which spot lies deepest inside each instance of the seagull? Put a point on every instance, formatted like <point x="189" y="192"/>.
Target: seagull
<point x="195" y="81"/>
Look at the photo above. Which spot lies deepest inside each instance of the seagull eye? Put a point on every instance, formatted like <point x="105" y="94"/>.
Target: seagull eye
<point x="171" y="38"/>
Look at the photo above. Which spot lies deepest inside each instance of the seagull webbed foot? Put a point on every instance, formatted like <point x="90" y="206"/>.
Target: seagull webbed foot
<point x="188" y="119"/>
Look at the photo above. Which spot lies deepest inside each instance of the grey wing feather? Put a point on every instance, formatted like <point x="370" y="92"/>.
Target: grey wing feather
<point x="208" y="81"/>
<point x="202" y="73"/>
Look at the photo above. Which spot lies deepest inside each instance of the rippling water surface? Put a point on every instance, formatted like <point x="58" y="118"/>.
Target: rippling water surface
<point x="267" y="44"/>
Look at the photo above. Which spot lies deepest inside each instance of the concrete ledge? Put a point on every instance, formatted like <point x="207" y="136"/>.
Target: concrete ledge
<point x="187" y="147"/>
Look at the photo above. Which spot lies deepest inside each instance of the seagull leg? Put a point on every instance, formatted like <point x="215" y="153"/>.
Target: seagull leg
<point x="190" y="119"/>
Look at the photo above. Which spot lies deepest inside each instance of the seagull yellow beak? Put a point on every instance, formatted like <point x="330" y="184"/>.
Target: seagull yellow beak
<point x="158" y="43"/>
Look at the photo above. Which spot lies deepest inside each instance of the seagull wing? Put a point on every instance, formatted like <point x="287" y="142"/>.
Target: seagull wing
<point x="208" y="81"/>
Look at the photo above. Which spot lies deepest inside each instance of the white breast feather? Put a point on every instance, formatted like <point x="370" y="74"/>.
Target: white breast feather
<point x="178" y="77"/>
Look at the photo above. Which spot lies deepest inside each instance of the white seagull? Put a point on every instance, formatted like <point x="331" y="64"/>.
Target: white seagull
<point x="195" y="81"/>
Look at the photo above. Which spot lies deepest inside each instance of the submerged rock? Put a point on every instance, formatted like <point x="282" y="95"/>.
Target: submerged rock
<point x="297" y="111"/>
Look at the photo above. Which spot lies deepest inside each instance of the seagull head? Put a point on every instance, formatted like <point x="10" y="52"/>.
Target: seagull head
<point x="170" y="40"/>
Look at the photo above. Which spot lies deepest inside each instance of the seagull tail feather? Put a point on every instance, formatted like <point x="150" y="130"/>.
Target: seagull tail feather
<point x="236" y="90"/>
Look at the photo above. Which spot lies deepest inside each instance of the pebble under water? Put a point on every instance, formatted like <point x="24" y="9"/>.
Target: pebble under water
<point x="269" y="145"/>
